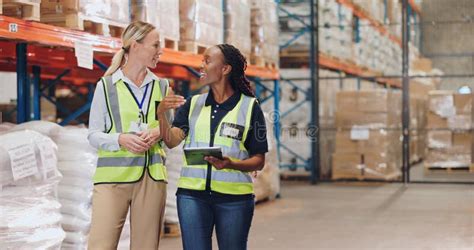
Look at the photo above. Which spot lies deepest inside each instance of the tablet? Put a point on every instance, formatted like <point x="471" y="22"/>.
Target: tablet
<point x="195" y="156"/>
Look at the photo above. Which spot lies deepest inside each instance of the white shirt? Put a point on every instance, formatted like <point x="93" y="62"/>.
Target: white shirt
<point x="99" y="120"/>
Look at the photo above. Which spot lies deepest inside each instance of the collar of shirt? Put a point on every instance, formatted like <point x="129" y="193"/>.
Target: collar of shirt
<point x="228" y="104"/>
<point x="118" y="75"/>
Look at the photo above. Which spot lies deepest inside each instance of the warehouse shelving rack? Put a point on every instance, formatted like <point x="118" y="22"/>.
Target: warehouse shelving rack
<point x="46" y="53"/>
<point x="351" y="70"/>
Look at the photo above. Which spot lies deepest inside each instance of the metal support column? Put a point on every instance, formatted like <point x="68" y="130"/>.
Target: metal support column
<point x="22" y="83"/>
<point x="276" y="116"/>
<point x="314" y="130"/>
<point x="405" y="94"/>
<point x="36" y="93"/>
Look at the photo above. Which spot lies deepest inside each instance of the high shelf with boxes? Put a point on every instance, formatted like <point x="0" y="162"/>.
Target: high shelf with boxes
<point x="360" y="50"/>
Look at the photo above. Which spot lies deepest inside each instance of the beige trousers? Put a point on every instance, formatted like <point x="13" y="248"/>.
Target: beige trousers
<point x="110" y="203"/>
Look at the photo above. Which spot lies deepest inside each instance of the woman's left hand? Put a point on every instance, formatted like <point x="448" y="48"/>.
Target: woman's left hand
<point x="152" y="136"/>
<point x="226" y="162"/>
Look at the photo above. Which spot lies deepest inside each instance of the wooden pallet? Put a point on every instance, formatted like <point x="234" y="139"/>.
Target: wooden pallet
<point x="172" y="230"/>
<point x="442" y="169"/>
<point x="24" y="9"/>
<point x="171" y="44"/>
<point x="263" y="62"/>
<point x="193" y="47"/>
<point x="78" y="21"/>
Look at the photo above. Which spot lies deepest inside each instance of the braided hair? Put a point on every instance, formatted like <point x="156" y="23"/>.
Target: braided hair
<point x="237" y="61"/>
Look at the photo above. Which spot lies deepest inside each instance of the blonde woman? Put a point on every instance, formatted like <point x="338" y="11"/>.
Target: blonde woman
<point x="130" y="172"/>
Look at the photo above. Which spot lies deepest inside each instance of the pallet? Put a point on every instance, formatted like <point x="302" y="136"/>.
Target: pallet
<point x="298" y="175"/>
<point x="262" y="62"/>
<point x="171" y="43"/>
<point x="443" y="169"/>
<point x="78" y="21"/>
<point x="172" y="230"/>
<point x="193" y="47"/>
<point x="24" y="9"/>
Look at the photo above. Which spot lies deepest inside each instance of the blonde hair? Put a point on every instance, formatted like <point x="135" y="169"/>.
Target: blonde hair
<point x="135" y="31"/>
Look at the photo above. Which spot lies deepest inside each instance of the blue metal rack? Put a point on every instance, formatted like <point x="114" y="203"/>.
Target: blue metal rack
<point x="312" y="94"/>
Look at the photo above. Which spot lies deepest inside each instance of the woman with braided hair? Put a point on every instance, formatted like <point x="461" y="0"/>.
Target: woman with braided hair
<point x="218" y="194"/>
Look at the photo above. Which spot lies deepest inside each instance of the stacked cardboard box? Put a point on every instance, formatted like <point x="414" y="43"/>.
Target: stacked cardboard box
<point x="264" y="32"/>
<point x="73" y="13"/>
<point x="237" y="25"/>
<point x="448" y="123"/>
<point x="335" y="33"/>
<point x="201" y="24"/>
<point x="163" y="14"/>
<point x="368" y="144"/>
<point x="294" y="125"/>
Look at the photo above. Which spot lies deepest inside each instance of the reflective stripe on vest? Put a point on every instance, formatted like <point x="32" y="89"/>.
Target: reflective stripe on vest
<point x="123" y="166"/>
<point x="226" y="181"/>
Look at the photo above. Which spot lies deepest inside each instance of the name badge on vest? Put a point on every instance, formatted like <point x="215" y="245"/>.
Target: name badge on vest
<point x="138" y="126"/>
<point x="231" y="130"/>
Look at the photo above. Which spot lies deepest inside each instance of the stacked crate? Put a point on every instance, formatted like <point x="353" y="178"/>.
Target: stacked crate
<point x="163" y="14"/>
<point x="201" y="24"/>
<point x="237" y="25"/>
<point x="449" y="123"/>
<point x="264" y="33"/>
<point x="105" y="17"/>
<point x="368" y="144"/>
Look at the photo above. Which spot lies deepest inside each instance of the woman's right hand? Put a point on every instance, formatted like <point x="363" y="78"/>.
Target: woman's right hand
<point x="171" y="101"/>
<point x="133" y="143"/>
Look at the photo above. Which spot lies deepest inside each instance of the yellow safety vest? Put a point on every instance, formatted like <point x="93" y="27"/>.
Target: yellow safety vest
<point x="230" y="135"/>
<point x="123" y="166"/>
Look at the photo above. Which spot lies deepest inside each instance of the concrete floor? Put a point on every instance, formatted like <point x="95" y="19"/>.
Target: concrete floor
<point x="363" y="216"/>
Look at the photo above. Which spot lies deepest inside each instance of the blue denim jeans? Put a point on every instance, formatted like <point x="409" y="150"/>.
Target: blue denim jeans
<point x="199" y="215"/>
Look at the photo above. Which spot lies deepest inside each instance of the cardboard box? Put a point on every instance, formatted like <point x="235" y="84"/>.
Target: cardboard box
<point x="462" y="140"/>
<point x="379" y="140"/>
<point x="373" y="101"/>
<point x="435" y="121"/>
<point x="463" y="104"/>
<point x="422" y="64"/>
<point x="459" y="122"/>
<point x="346" y="166"/>
<point x="347" y="119"/>
<point x="440" y="139"/>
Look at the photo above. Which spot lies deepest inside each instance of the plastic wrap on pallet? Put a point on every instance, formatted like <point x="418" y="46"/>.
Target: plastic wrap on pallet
<point x="267" y="182"/>
<point x="147" y="11"/>
<point x="201" y="21"/>
<point x="169" y="17"/>
<point x="442" y="103"/>
<point x="448" y="158"/>
<point x="28" y="204"/>
<point x="439" y="139"/>
<point x="237" y="21"/>
<point x="264" y="31"/>
<point x="113" y="10"/>
<point x="174" y="163"/>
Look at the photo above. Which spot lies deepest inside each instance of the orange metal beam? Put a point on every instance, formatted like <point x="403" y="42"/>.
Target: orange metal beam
<point x="353" y="69"/>
<point x="415" y="7"/>
<point x="359" y="12"/>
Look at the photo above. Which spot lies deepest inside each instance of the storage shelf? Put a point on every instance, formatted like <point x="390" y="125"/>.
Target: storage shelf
<point x="346" y="66"/>
<point x="360" y="13"/>
<point x="48" y="37"/>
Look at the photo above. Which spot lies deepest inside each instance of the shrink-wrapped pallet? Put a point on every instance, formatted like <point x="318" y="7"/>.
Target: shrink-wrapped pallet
<point x="29" y="178"/>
